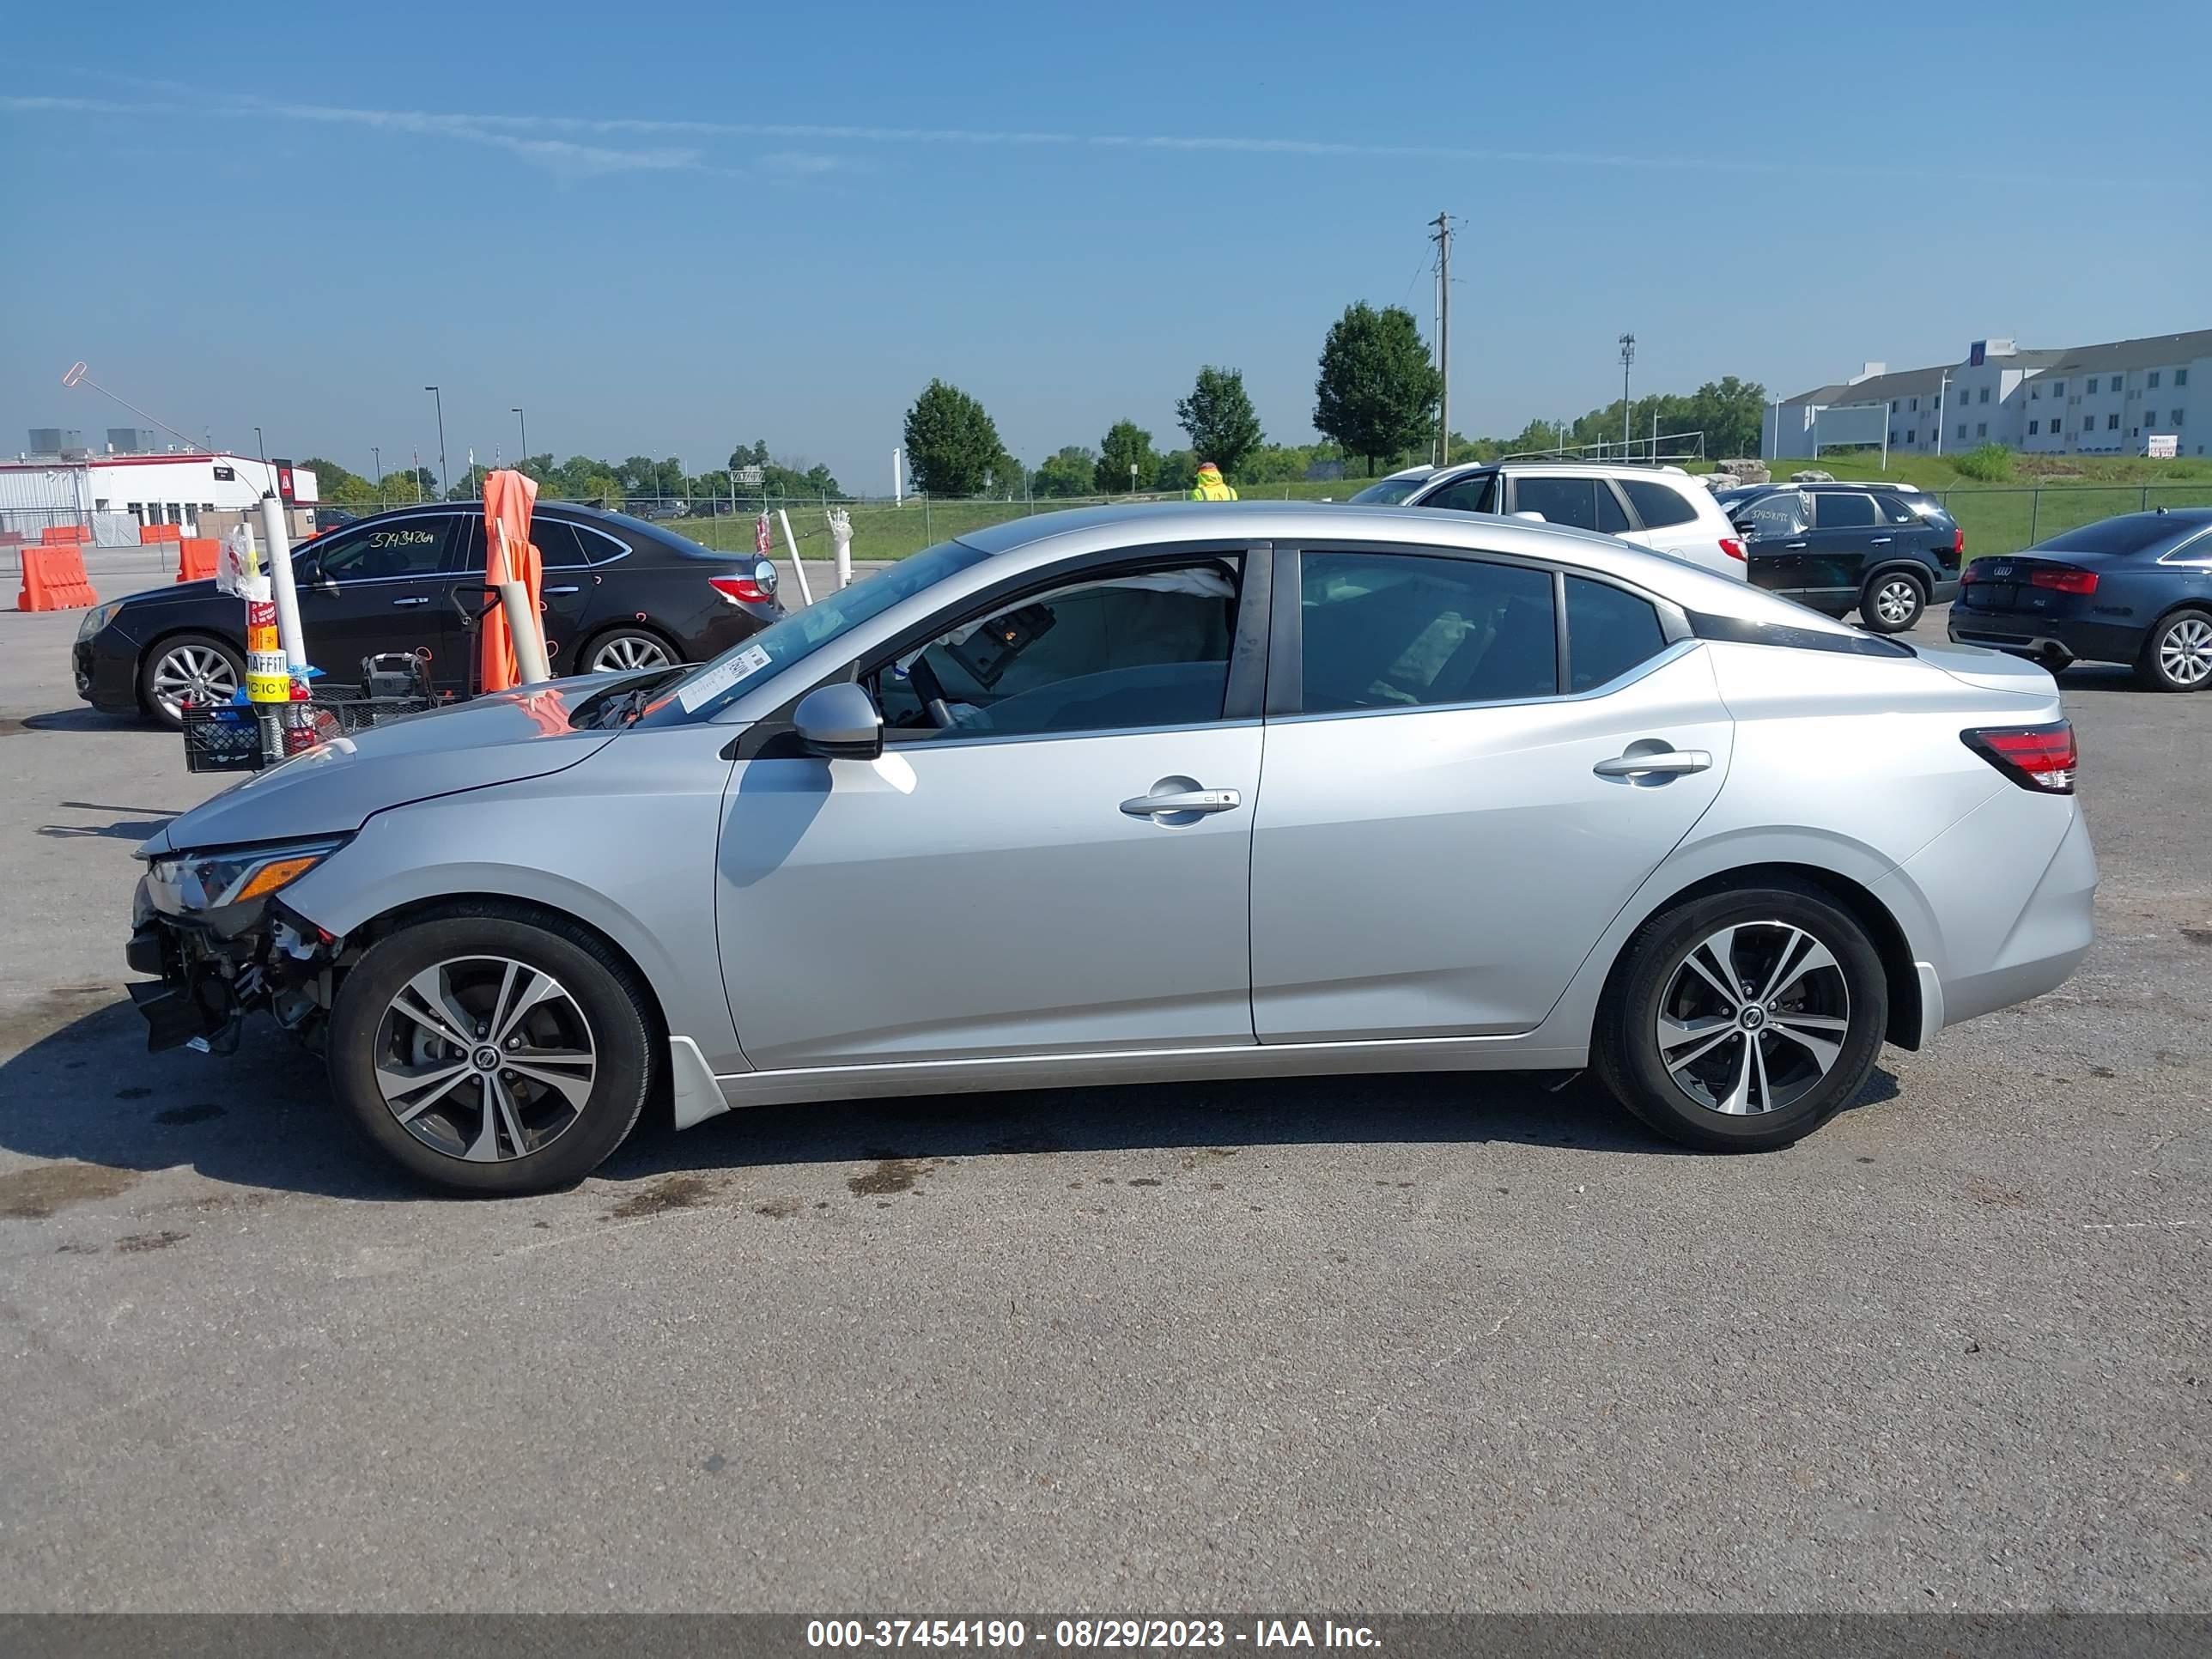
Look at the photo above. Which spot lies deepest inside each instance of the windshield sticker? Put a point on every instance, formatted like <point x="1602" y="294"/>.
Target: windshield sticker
<point x="697" y="693"/>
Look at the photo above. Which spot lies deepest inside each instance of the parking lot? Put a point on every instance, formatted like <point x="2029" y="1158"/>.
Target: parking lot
<point x="1405" y="1343"/>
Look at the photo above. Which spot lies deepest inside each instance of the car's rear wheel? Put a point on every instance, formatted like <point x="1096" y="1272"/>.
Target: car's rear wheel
<point x="492" y="1051"/>
<point x="1892" y="601"/>
<point x="197" y="668"/>
<point x="626" y="650"/>
<point x="1743" y="1021"/>
<point x="2177" y="652"/>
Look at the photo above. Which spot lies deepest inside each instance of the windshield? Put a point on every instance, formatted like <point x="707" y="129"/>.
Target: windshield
<point x="712" y="686"/>
<point x="1390" y="492"/>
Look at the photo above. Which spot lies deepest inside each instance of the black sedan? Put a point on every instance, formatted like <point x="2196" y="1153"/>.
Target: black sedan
<point x="619" y="594"/>
<point x="2136" y="589"/>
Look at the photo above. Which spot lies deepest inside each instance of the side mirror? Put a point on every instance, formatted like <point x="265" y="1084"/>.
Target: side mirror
<point x="840" y="722"/>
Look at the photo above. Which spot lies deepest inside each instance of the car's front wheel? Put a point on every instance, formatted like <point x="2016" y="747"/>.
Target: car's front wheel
<point x="1892" y="601"/>
<point x="2177" y="653"/>
<point x="491" y="1050"/>
<point x="196" y="668"/>
<point x="1743" y="1021"/>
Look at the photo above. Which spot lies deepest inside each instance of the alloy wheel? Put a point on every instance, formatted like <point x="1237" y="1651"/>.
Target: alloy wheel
<point x="1897" y="600"/>
<point x="2185" y="652"/>
<point x="626" y="651"/>
<point x="485" y="1058"/>
<point x="199" y="674"/>
<point x="1753" y="1018"/>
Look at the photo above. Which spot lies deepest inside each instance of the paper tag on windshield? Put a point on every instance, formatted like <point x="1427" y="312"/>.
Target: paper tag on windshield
<point x="696" y="694"/>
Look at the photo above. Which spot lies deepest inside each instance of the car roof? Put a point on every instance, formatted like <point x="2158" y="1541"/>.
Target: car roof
<point x="1102" y="528"/>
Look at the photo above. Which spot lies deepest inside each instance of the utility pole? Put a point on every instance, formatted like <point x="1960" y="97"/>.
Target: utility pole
<point x="525" y="425"/>
<point x="377" y="455"/>
<point x="1627" y="356"/>
<point x="1442" y="239"/>
<point x="439" y="399"/>
<point x="1942" y="390"/>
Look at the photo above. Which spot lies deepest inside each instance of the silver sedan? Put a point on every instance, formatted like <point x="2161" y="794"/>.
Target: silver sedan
<point x="1143" y="794"/>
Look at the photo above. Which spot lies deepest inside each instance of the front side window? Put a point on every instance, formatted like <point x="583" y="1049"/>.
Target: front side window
<point x="1656" y="504"/>
<point x="1843" y="509"/>
<point x="1609" y="631"/>
<point x="1477" y="493"/>
<point x="404" y="547"/>
<point x="1561" y="500"/>
<point x="1404" y="631"/>
<point x="1140" y="648"/>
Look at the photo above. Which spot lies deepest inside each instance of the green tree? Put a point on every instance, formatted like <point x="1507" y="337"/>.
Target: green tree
<point x="952" y="445"/>
<point x="1126" y="446"/>
<point x="1070" y="470"/>
<point x="1219" y="417"/>
<point x="1176" y="472"/>
<point x="1377" y="393"/>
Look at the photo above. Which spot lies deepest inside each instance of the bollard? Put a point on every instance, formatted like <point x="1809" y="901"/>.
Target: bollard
<point x="285" y="596"/>
<point x="797" y="568"/>
<point x="522" y="628"/>
<point x="268" y="676"/>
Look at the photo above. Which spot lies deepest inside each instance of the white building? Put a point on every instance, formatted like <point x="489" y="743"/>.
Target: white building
<point x="2081" y="400"/>
<point x="113" y="495"/>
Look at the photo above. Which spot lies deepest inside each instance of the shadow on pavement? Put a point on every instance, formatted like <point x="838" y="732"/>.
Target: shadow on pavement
<point x="84" y="1088"/>
<point x="86" y="720"/>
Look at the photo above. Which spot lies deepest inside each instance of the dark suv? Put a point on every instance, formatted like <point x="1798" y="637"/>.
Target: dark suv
<point x="618" y="593"/>
<point x="1888" y="551"/>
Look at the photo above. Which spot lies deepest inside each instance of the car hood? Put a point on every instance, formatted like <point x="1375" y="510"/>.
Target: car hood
<point x="334" y="788"/>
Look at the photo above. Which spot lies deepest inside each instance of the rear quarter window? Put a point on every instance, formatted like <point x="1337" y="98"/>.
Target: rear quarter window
<point x="1657" y="504"/>
<point x="1609" y="632"/>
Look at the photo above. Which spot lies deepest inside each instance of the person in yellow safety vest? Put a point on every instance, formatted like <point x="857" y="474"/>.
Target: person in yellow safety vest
<point x="1210" y="486"/>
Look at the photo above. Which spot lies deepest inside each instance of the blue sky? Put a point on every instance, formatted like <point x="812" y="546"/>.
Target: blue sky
<point x="663" y="229"/>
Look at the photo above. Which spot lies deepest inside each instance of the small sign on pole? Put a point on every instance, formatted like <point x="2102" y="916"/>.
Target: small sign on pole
<point x="2162" y="445"/>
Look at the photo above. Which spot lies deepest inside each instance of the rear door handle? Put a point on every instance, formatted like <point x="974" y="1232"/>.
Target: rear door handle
<point x="1880" y="541"/>
<point x="1666" y="761"/>
<point x="418" y="601"/>
<point x="1166" y="803"/>
<point x="1793" y="544"/>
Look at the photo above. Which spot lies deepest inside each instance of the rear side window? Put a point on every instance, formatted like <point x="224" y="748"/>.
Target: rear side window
<point x="1658" y="505"/>
<point x="1609" y="631"/>
<point x="1842" y="509"/>
<point x="556" y="544"/>
<point x="1478" y="493"/>
<point x="1561" y="500"/>
<point x="1401" y="630"/>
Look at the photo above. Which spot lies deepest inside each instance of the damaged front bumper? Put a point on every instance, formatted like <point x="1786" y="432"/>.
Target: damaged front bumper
<point x="215" y="957"/>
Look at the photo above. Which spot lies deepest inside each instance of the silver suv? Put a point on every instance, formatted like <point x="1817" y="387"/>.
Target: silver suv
<point x="1661" y="507"/>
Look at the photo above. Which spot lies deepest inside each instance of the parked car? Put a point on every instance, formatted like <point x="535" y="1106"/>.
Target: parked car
<point x="1661" y="507"/>
<point x="618" y="593"/>
<point x="995" y="819"/>
<point x="2135" y="589"/>
<point x="1887" y="552"/>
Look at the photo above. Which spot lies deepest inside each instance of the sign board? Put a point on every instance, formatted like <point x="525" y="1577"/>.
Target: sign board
<point x="225" y="475"/>
<point x="2162" y="445"/>
<point x="283" y="481"/>
<point x="750" y="476"/>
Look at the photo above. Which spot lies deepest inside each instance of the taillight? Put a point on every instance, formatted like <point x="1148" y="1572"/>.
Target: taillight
<point x="2066" y="581"/>
<point x="2038" y="757"/>
<point x="1959" y="542"/>
<point x="754" y="586"/>
<point x="1732" y="547"/>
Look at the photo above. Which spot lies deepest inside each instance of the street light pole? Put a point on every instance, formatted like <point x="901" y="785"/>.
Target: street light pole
<point x="261" y="446"/>
<point x="438" y="398"/>
<point x="1942" y="410"/>
<point x="1627" y="356"/>
<point x="377" y="455"/>
<point x="525" y="425"/>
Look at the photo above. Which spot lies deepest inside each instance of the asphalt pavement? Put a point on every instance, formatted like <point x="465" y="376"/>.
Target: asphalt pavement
<point x="1398" y="1344"/>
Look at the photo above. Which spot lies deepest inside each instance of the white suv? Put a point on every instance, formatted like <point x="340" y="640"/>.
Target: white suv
<point x="1661" y="507"/>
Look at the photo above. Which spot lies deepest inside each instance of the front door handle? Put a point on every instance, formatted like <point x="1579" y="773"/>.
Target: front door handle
<point x="1669" y="761"/>
<point x="1880" y="541"/>
<point x="1174" y="797"/>
<point x="417" y="601"/>
<point x="561" y="590"/>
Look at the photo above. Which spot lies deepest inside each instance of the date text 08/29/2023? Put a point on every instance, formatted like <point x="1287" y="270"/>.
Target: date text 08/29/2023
<point x="1086" y="1634"/>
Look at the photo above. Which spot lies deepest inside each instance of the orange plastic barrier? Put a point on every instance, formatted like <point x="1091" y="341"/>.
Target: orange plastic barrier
<point x="196" y="558"/>
<point x="54" y="533"/>
<point x="54" y="578"/>
<point x="150" y="534"/>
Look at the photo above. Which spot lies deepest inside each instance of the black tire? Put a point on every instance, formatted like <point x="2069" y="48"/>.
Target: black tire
<point x="2167" y="661"/>
<point x="599" y="988"/>
<point x="156" y="661"/>
<point x="617" y="643"/>
<point x="1626" y="1045"/>
<point x="1892" y="601"/>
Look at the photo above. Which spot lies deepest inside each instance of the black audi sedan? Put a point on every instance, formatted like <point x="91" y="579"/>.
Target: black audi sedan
<point x="618" y="592"/>
<point x="2135" y="589"/>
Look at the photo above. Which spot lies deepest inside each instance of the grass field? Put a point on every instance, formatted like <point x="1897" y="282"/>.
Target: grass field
<point x="1996" y="518"/>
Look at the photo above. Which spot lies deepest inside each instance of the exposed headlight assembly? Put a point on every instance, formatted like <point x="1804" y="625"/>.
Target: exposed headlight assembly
<point x="209" y="881"/>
